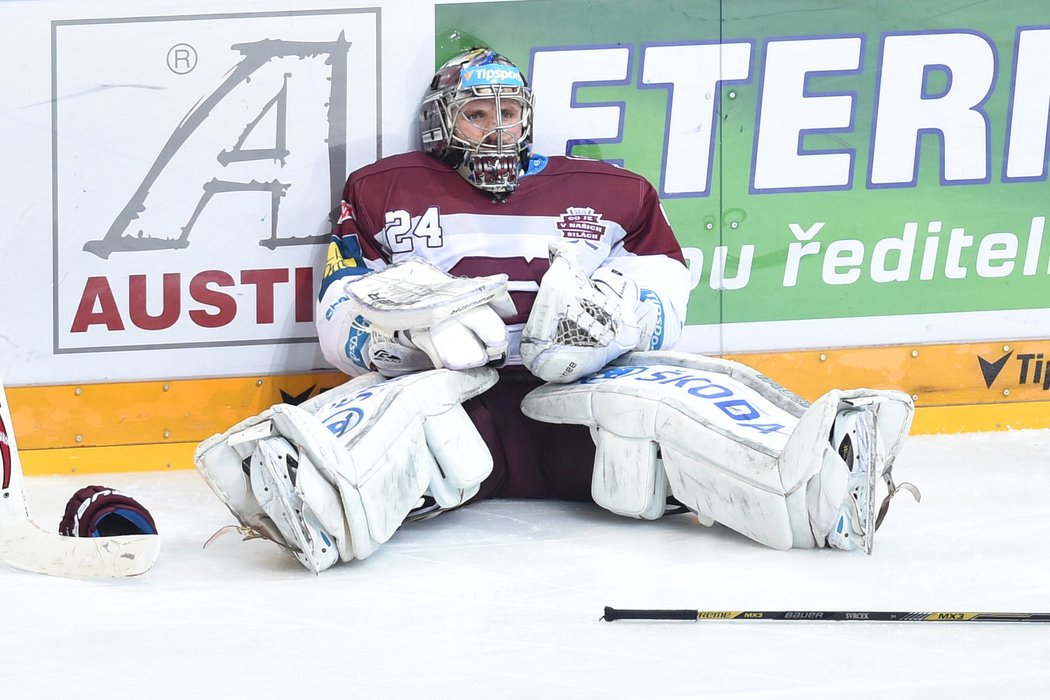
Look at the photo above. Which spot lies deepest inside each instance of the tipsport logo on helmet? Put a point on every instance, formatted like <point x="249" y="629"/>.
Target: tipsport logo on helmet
<point x="191" y="194"/>
<point x="493" y="74"/>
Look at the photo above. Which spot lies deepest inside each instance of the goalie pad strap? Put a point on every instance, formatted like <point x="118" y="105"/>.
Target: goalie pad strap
<point x="628" y="479"/>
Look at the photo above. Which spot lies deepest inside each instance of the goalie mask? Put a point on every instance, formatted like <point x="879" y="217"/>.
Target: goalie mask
<point x="477" y="118"/>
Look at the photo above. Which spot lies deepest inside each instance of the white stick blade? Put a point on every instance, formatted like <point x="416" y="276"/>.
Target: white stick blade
<point x="24" y="545"/>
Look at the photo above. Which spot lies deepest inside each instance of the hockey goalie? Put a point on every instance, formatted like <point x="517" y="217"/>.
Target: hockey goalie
<point x="508" y="320"/>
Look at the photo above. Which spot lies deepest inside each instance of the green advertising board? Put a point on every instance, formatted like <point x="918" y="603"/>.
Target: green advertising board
<point x="881" y="164"/>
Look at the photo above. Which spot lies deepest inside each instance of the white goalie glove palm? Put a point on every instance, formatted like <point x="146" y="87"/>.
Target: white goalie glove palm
<point x="473" y="338"/>
<point x="579" y="324"/>
<point x="422" y="318"/>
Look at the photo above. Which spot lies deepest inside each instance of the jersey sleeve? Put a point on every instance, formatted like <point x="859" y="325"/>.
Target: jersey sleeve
<point x="343" y="333"/>
<point x="651" y="256"/>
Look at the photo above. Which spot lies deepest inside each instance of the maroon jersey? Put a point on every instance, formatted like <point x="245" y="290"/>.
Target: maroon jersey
<point x="412" y="206"/>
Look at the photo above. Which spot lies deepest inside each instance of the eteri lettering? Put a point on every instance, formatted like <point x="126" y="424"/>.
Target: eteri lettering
<point x="918" y="82"/>
<point x="208" y="299"/>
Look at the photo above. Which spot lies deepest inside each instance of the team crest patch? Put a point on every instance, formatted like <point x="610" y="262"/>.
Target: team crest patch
<point x="336" y="261"/>
<point x="581" y="223"/>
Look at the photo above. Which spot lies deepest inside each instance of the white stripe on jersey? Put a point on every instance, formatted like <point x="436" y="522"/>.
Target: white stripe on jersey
<point x="504" y="236"/>
<point x="500" y="236"/>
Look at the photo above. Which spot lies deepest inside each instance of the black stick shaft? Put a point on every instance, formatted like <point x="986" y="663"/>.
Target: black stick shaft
<point x="612" y="614"/>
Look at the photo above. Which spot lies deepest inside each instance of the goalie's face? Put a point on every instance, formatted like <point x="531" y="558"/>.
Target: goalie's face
<point x="490" y="122"/>
<point x="477" y="118"/>
<point x="490" y="128"/>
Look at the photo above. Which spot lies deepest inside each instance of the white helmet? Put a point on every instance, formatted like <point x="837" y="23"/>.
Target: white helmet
<point x="499" y="153"/>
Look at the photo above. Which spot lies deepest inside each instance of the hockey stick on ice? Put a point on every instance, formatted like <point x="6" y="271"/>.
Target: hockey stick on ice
<point x="24" y="545"/>
<point x="612" y="614"/>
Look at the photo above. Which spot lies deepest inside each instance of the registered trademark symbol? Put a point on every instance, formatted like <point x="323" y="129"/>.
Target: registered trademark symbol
<point x="182" y="58"/>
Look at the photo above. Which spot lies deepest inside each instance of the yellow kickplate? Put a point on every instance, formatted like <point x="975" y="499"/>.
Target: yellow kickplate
<point x="134" y="426"/>
<point x="160" y="457"/>
<point x="106" y="460"/>
<point x="981" y="418"/>
<point x="147" y="413"/>
<point x="934" y="375"/>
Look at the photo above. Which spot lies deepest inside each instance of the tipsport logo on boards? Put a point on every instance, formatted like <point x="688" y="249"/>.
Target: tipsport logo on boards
<point x="198" y="163"/>
<point x="1015" y="370"/>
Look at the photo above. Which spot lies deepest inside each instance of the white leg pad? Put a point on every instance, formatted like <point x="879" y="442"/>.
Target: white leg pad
<point x="380" y="444"/>
<point x="736" y="448"/>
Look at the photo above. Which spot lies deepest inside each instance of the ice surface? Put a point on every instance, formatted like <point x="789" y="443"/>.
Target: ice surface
<point x="503" y="599"/>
